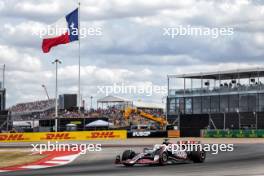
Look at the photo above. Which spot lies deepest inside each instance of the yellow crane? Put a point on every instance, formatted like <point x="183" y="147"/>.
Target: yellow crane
<point x="161" y="120"/>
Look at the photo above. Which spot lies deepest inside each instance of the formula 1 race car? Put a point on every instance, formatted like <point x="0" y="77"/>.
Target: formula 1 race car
<point x="162" y="155"/>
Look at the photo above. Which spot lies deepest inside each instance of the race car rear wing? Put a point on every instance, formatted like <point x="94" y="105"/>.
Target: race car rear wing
<point x="189" y="142"/>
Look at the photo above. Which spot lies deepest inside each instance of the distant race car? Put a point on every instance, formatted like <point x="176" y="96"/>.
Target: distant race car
<point x="161" y="155"/>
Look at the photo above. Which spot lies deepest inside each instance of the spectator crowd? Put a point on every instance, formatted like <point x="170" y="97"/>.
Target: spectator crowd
<point x="45" y="110"/>
<point x="33" y="106"/>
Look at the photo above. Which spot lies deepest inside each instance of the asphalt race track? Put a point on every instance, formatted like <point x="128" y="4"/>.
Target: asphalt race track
<point x="246" y="159"/>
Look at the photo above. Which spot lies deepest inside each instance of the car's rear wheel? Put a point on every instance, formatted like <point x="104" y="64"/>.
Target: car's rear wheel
<point x="128" y="154"/>
<point x="198" y="156"/>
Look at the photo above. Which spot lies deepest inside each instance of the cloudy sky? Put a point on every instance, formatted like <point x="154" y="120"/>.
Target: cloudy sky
<point x="132" y="48"/>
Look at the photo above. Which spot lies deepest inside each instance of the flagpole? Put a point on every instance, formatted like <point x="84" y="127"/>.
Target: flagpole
<point x="79" y="73"/>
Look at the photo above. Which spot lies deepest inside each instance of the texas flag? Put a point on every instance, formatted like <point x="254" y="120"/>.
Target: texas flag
<point x="65" y="30"/>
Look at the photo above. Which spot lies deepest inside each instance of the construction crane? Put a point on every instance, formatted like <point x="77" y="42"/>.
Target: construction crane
<point x="161" y="120"/>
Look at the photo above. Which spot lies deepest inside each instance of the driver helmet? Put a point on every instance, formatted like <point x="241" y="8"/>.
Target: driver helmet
<point x="166" y="141"/>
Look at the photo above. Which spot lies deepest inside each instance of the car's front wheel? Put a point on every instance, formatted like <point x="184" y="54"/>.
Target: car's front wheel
<point x="128" y="154"/>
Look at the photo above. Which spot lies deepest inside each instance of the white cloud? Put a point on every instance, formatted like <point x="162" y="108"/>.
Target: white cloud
<point x="16" y="60"/>
<point x="93" y="75"/>
<point x="40" y="8"/>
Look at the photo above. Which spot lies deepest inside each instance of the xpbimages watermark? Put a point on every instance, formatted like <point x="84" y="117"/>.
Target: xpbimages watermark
<point x="54" y="30"/>
<point x="61" y="147"/>
<point x="180" y="30"/>
<point x="122" y="88"/>
<point x="183" y="147"/>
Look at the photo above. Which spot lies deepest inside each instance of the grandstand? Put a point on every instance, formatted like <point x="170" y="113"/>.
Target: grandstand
<point x="232" y="99"/>
<point x="150" y="115"/>
<point x="32" y="110"/>
<point x="30" y="113"/>
<point x="30" y="107"/>
<point x="40" y="115"/>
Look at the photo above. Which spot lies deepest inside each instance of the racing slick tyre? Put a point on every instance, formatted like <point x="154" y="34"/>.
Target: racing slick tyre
<point x="198" y="156"/>
<point x="128" y="154"/>
<point x="164" y="157"/>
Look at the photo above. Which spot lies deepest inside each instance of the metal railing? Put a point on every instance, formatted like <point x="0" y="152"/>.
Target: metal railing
<point x="223" y="89"/>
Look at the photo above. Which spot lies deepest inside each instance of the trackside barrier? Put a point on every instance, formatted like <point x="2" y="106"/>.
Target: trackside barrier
<point x="146" y="134"/>
<point x="63" y="136"/>
<point x="153" y="134"/>
<point x="233" y="133"/>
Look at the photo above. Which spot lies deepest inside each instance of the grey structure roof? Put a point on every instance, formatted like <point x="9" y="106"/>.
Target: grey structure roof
<point x="224" y="75"/>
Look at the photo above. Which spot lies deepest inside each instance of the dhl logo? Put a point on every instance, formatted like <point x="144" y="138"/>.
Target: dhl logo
<point x="24" y="137"/>
<point x="12" y="137"/>
<point x="57" y="136"/>
<point x="103" y="134"/>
